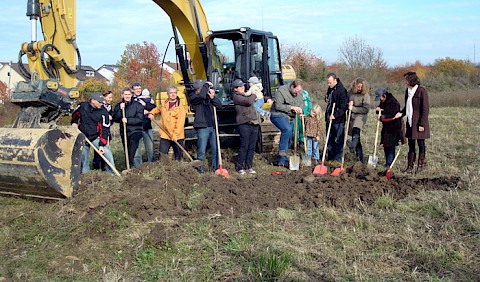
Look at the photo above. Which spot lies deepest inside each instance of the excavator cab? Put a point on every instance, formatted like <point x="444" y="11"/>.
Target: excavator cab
<point x="240" y="54"/>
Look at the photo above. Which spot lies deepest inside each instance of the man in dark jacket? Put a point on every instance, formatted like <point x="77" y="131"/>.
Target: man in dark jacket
<point x="202" y="101"/>
<point x="133" y="120"/>
<point x="337" y="94"/>
<point x="92" y="119"/>
<point x="144" y="98"/>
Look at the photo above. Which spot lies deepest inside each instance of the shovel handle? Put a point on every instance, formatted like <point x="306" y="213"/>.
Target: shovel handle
<point x="174" y="141"/>
<point x="125" y="139"/>
<point x="395" y="159"/>
<point x="328" y="134"/>
<point x="103" y="157"/>
<point x="304" y="135"/>
<point x="376" y="134"/>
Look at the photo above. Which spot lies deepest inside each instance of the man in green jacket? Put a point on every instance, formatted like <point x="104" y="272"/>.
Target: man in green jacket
<point x="288" y="102"/>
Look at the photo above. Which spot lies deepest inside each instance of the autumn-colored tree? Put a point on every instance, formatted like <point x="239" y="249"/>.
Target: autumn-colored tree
<point x="91" y="85"/>
<point x="3" y="91"/>
<point x="140" y="63"/>
<point x="453" y="67"/>
<point x="395" y="75"/>
<point x="306" y="64"/>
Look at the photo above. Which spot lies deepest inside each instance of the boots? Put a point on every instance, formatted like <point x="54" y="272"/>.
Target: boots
<point x="421" y="162"/>
<point x="411" y="160"/>
<point x="201" y="169"/>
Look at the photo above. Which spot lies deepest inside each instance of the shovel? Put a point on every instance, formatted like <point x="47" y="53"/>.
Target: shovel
<point x="372" y="160"/>
<point x="125" y="139"/>
<point x="194" y="163"/>
<point x="341" y="169"/>
<point x="306" y="161"/>
<point x="103" y="157"/>
<point x="321" y="168"/>
<point x="294" y="161"/>
<point x="389" y="170"/>
<point x="220" y="170"/>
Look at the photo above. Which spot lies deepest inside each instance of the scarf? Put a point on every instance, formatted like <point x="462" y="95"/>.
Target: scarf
<point x="409" y="105"/>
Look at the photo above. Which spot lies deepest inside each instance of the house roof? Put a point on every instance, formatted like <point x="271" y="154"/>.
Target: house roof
<point x="113" y="68"/>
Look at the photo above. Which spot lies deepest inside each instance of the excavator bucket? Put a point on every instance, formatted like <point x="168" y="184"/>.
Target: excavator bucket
<point x="39" y="162"/>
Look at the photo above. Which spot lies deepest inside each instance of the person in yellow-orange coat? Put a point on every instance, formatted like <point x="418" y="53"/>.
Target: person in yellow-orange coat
<point x="172" y="123"/>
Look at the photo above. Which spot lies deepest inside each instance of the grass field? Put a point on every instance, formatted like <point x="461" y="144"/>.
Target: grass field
<point x="428" y="236"/>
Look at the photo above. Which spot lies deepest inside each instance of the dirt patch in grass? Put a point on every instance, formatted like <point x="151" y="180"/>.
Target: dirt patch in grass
<point x="179" y="191"/>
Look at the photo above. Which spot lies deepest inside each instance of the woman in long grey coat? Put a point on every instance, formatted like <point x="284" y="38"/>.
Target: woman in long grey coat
<point x="359" y="104"/>
<point x="417" y="127"/>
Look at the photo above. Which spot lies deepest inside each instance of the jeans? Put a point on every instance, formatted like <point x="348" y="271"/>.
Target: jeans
<point x="335" y="141"/>
<point x="421" y="146"/>
<point x="389" y="155"/>
<point x="147" y="136"/>
<point x="86" y="156"/>
<point x="206" y="135"/>
<point x="248" y="141"/>
<point x="286" y="128"/>
<point x="259" y="107"/>
<point x="312" y="148"/>
<point x="165" y="145"/>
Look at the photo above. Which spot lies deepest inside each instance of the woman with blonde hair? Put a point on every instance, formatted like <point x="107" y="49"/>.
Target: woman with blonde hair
<point x="313" y="132"/>
<point x="359" y="105"/>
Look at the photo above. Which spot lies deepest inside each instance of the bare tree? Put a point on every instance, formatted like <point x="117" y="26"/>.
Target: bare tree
<point x="360" y="58"/>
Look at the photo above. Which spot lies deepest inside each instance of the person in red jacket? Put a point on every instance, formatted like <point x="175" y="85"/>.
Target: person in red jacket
<point x="92" y="119"/>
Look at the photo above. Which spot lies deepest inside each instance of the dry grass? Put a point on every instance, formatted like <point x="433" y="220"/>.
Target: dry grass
<point x="429" y="236"/>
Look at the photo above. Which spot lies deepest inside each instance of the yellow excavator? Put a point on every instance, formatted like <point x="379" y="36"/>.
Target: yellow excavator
<point x="41" y="159"/>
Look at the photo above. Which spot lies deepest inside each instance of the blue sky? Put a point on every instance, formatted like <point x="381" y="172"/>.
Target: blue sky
<point x="405" y="31"/>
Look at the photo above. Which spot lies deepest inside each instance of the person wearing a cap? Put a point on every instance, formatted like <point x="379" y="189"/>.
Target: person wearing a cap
<point x="392" y="131"/>
<point x="133" y="120"/>
<point x="202" y="100"/>
<point x="417" y="126"/>
<point x="98" y="162"/>
<point x="143" y="97"/>
<point x="288" y="103"/>
<point x="337" y="94"/>
<point x="92" y="119"/>
<point x="248" y="120"/>
<point x="359" y="105"/>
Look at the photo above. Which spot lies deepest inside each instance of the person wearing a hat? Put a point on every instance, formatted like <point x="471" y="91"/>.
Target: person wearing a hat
<point x="392" y="132"/>
<point x="417" y="126"/>
<point x="359" y="105"/>
<point x="202" y="100"/>
<point x="92" y="119"/>
<point x="248" y="120"/>
<point x="288" y="102"/>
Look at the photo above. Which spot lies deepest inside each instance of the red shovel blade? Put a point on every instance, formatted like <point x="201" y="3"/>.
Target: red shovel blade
<point x="338" y="171"/>
<point x="320" y="169"/>
<point x="388" y="174"/>
<point x="222" y="171"/>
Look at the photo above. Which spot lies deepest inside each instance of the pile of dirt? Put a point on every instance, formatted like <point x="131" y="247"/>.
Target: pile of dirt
<point x="177" y="190"/>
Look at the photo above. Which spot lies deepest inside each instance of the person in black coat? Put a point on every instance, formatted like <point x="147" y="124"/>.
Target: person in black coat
<point x="202" y="101"/>
<point x="133" y="120"/>
<point x="392" y="133"/>
<point x="337" y="94"/>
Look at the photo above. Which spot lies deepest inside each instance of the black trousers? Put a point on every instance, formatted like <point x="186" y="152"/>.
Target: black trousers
<point x="248" y="141"/>
<point x="132" y="144"/>
<point x="165" y="145"/>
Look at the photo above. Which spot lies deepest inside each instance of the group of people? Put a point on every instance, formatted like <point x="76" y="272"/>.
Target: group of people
<point x="291" y="109"/>
<point x="288" y="105"/>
